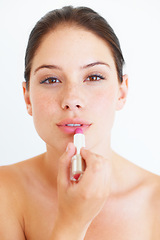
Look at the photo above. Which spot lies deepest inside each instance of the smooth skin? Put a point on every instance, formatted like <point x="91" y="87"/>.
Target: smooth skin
<point x="114" y="199"/>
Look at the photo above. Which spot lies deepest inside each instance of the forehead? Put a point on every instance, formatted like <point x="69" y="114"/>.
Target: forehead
<point x="74" y="45"/>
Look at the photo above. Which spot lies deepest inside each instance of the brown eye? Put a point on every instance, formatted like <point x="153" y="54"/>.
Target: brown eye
<point x="50" y="80"/>
<point x="94" y="78"/>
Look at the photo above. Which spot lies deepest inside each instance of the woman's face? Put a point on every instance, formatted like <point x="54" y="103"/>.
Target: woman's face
<point x="74" y="81"/>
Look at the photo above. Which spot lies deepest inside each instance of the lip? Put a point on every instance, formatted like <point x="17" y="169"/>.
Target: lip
<point x="69" y="129"/>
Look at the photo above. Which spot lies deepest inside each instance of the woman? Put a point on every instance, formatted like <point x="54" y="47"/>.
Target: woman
<point x="73" y="72"/>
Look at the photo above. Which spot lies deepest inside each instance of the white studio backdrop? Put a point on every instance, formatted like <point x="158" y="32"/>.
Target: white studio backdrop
<point x="136" y="132"/>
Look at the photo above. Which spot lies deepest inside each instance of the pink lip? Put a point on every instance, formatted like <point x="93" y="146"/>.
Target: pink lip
<point x="69" y="129"/>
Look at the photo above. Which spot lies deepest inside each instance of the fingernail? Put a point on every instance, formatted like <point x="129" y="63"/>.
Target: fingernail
<point x="84" y="148"/>
<point x="67" y="149"/>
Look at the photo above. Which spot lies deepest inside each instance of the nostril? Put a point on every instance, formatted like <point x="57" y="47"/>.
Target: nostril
<point x="71" y="106"/>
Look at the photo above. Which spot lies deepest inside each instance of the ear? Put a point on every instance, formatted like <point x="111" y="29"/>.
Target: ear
<point x="26" y="95"/>
<point x="123" y="91"/>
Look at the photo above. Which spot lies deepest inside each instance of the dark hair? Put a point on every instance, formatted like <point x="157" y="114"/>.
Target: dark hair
<point x="81" y="16"/>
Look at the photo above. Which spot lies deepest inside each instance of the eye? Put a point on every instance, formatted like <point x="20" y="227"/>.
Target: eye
<point x="50" y="80"/>
<point x="94" y="78"/>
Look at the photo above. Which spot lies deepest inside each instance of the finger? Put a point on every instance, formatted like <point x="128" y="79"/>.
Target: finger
<point x="98" y="171"/>
<point x="64" y="164"/>
<point x="92" y="160"/>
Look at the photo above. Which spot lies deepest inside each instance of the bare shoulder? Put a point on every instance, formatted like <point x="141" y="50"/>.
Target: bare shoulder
<point x="13" y="189"/>
<point x="155" y="202"/>
<point x="14" y="176"/>
<point x="12" y="179"/>
<point x="152" y="182"/>
<point x="151" y="187"/>
<point x="11" y="224"/>
<point x="8" y="186"/>
<point x="8" y="179"/>
<point x="11" y="176"/>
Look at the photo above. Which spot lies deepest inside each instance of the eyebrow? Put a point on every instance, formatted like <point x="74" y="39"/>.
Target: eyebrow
<point x="94" y="64"/>
<point x="47" y="66"/>
<point x="51" y="66"/>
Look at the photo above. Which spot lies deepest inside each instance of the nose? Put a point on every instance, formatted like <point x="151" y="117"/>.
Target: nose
<point x="72" y="98"/>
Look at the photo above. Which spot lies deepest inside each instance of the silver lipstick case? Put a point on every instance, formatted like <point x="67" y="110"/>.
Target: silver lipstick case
<point x="77" y="168"/>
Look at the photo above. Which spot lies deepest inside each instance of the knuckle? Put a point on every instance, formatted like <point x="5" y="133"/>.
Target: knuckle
<point x="61" y="163"/>
<point x="85" y="195"/>
<point x="97" y="165"/>
<point x="63" y="158"/>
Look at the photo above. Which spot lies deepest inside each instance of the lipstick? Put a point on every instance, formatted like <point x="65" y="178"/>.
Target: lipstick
<point x="77" y="167"/>
<point x="69" y="125"/>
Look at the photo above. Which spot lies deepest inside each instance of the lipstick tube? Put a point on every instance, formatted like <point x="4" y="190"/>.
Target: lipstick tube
<point x="77" y="166"/>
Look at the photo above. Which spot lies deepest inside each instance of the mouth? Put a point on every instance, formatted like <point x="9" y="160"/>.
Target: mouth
<point x="70" y="125"/>
<point x="74" y="125"/>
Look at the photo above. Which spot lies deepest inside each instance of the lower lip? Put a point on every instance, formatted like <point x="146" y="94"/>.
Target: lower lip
<point x="71" y="130"/>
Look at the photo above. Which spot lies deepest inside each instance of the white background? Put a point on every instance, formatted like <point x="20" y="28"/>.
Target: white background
<point x="136" y="133"/>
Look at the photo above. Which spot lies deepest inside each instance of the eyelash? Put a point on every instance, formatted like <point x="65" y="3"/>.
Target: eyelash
<point x="55" y="80"/>
<point x="95" y="76"/>
<point x="50" y="78"/>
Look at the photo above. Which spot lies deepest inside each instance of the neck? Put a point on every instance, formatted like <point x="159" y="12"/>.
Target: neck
<point x="51" y="158"/>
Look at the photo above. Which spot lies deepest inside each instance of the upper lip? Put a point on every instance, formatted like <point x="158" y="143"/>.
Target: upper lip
<point x="73" y="121"/>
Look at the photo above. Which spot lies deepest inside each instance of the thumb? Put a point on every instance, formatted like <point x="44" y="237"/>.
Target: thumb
<point x="64" y="165"/>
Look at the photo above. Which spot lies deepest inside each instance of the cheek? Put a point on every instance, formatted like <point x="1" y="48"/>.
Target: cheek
<point x="105" y="101"/>
<point x="42" y="104"/>
<point x="43" y="110"/>
<point x="104" y="110"/>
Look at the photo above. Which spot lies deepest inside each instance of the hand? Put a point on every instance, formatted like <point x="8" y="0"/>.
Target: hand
<point x="79" y="203"/>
